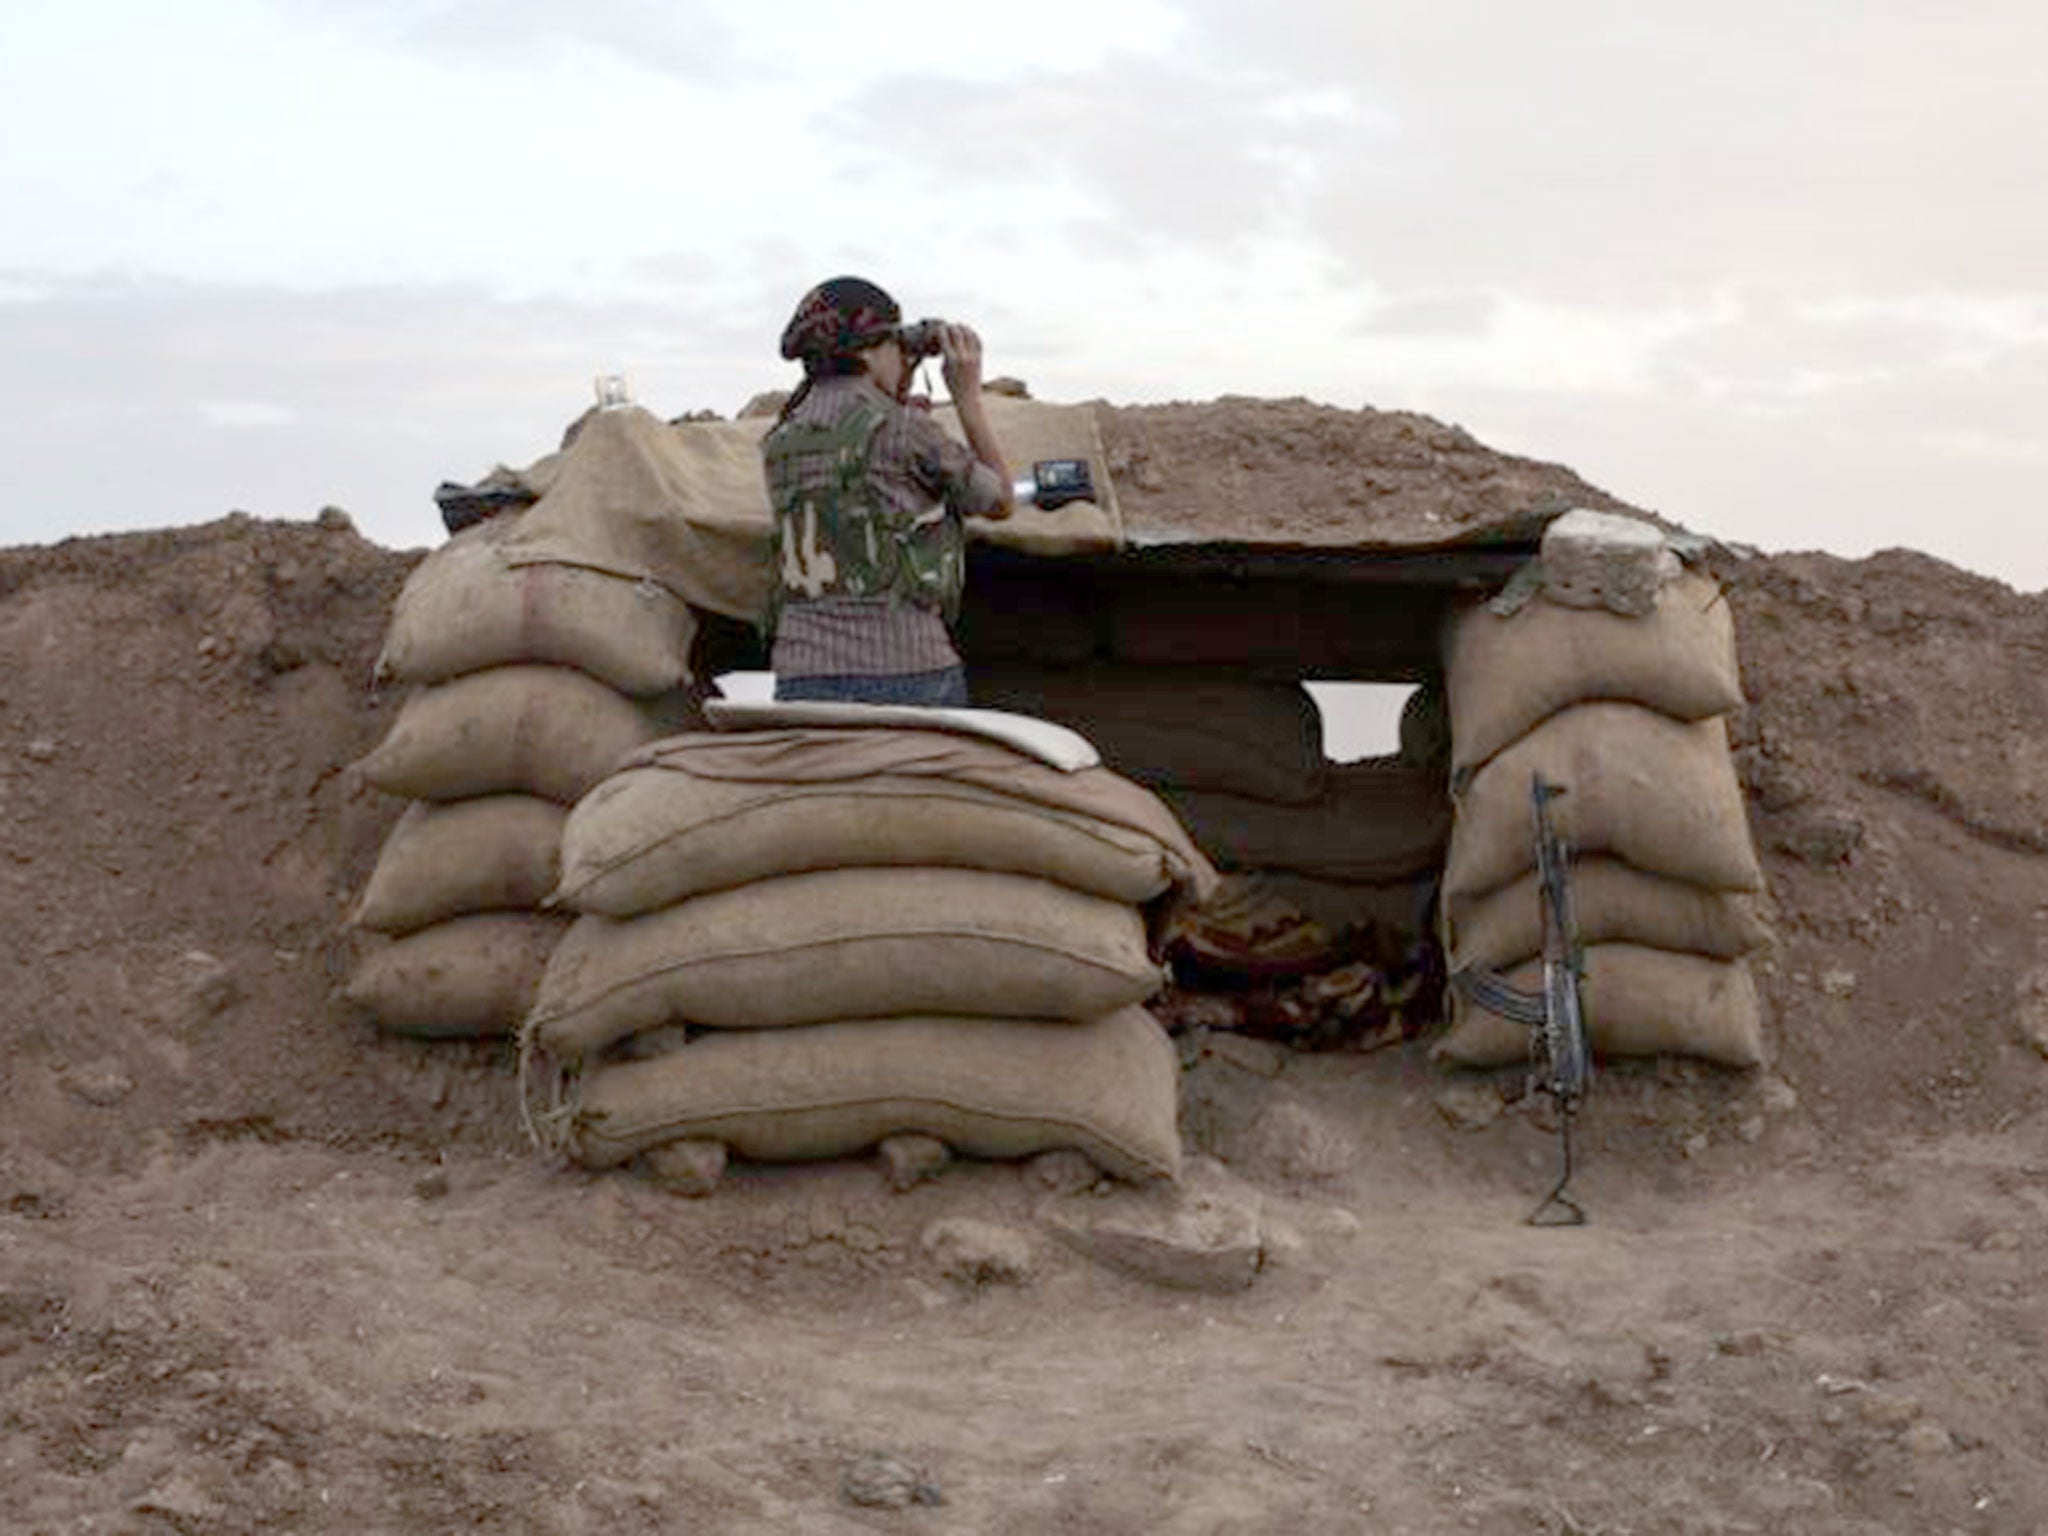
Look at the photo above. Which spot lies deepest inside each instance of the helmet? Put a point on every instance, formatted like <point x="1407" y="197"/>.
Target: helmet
<point x="838" y="318"/>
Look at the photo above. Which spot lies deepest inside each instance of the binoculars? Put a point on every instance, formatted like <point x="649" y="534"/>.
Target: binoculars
<point x="920" y="338"/>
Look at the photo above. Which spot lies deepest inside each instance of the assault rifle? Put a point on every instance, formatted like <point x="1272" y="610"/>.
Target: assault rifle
<point x="1557" y="1013"/>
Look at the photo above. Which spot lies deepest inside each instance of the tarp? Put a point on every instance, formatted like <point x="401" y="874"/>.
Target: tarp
<point x="685" y="505"/>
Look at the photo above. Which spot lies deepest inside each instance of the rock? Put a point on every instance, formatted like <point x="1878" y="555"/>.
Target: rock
<point x="1063" y="1172"/>
<point x="1469" y="1103"/>
<point x="1296" y="1142"/>
<point x="1777" y="1096"/>
<point x="1888" y="1410"/>
<point x="1203" y="1243"/>
<point x="878" y="1480"/>
<point x="1838" y="983"/>
<point x="690" y="1167"/>
<point x="2031" y="1014"/>
<point x="431" y="1185"/>
<point x="1604" y="560"/>
<point x="334" y="520"/>
<point x="909" y="1159"/>
<point x="102" y="1084"/>
<point x="978" y="1252"/>
<point x="1003" y="384"/>
<point x="179" y="1499"/>
<point x="1747" y="1344"/>
<point x="41" y="750"/>
<point x="1261" y="1058"/>
<point x="206" y="985"/>
<point x="1824" y="838"/>
<point x="1927" y="1438"/>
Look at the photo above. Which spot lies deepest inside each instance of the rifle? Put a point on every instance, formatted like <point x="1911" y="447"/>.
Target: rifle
<point x="1556" y="1015"/>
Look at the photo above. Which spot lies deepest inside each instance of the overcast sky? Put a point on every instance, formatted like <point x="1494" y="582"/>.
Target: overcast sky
<point x="1775" y="268"/>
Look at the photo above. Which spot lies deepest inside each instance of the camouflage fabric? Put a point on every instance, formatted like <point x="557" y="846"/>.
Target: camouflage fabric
<point x="838" y="318"/>
<point x="837" y="535"/>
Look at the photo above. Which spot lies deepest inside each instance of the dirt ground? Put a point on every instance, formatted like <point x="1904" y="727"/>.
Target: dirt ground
<point x="261" y="1270"/>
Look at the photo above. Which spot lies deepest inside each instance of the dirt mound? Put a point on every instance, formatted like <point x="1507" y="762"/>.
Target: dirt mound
<point x="178" y="711"/>
<point x="260" y="1269"/>
<point x="1298" y="472"/>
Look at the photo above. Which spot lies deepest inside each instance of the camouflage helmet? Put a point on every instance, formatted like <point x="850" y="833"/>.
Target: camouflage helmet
<point x="838" y="318"/>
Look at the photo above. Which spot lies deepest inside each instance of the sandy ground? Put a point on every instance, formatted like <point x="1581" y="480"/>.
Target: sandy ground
<point x="261" y="1270"/>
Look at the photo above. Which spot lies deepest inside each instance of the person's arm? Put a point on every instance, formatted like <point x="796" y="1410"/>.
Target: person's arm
<point x="960" y="354"/>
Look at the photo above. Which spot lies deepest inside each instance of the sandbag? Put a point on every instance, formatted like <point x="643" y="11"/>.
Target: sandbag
<point x="1378" y="821"/>
<point x="473" y="975"/>
<point x="1654" y="792"/>
<point x="846" y="943"/>
<point x="1639" y="1002"/>
<point x="1177" y="727"/>
<point x="1504" y="675"/>
<point x="1108" y="1087"/>
<point x="710" y="810"/>
<point x="442" y="859"/>
<point x="1611" y="901"/>
<point x="647" y="837"/>
<point x="546" y="731"/>
<point x="464" y="608"/>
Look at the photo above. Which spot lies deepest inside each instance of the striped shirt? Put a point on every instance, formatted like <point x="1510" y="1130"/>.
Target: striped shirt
<point x="914" y="465"/>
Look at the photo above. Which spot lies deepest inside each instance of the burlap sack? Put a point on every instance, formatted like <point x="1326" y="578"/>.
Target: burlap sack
<point x="990" y="1088"/>
<point x="1376" y="822"/>
<point x="472" y="975"/>
<point x="547" y="731"/>
<point x="648" y="837"/>
<point x="1639" y="1002"/>
<point x="1177" y="727"/>
<point x="1504" y="675"/>
<point x="495" y="853"/>
<point x="464" y="608"/>
<point x="1649" y="790"/>
<point x="841" y="944"/>
<point x="1612" y="902"/>
<point x="709" y="810"/>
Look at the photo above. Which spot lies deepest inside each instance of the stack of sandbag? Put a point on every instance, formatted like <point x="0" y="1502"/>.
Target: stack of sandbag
<point x="1625" y="710"/>
<point x="530" y="682"/>
<point x="795" y="942"/>
<point x="1240" y="760"/>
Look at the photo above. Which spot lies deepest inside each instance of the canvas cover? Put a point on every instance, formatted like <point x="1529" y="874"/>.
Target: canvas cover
<point x="686" y="505"/>
<point x="1054" y="745"/>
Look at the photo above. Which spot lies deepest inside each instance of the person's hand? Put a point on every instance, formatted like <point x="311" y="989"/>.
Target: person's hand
<point x="960" y="360"/>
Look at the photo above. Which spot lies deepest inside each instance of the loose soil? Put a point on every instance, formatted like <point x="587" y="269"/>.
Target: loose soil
<point x="263" y="1270"/>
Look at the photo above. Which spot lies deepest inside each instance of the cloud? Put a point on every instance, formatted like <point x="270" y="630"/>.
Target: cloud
<point x="683" y="37"/>
<point x="1141" y="149"/>
<point x="146" y="403"/>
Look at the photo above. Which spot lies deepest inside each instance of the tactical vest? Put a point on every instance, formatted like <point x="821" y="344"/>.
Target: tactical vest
<point x="835" y="535"/>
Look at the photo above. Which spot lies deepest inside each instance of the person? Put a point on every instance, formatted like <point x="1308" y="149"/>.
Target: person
<point x="869" y="493"/>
